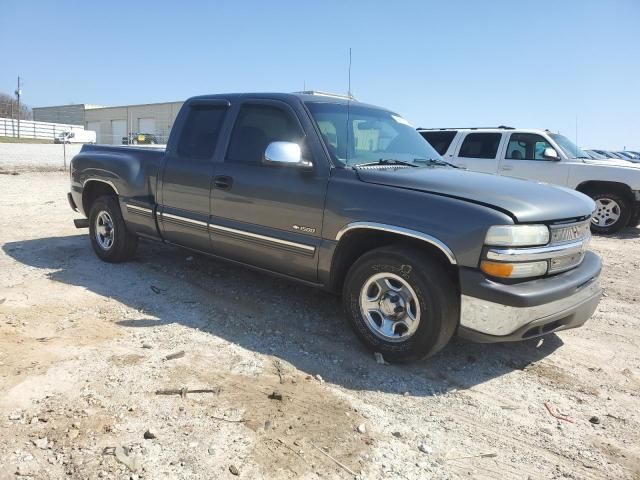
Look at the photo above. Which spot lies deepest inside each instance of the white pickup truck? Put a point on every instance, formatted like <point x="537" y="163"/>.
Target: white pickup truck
<point x="546" y="157"/>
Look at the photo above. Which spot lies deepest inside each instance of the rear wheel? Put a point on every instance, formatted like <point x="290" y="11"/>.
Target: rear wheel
<point x="110" y="239"/>
<point x="401" y="303"/>
<point x="613" y="212"/>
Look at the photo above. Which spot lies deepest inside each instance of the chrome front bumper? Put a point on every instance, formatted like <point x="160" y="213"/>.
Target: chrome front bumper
<point x="486" y="321"/>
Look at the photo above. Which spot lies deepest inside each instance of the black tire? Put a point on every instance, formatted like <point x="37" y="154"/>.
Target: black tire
<point x="435" y="292"/>
<point x="634" y="221"/>
<point x="607" y="203"/>
<point x="123" y="243"/>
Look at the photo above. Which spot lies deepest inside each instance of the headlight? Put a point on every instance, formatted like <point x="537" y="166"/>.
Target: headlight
<point x="514" y="270"/>
<point x="517" y="235"/>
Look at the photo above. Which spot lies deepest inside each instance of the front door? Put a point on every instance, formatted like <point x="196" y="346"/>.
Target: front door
<point x="267" y="215"/>
<point x="523" y="158"/>
<point x="185" y="180"/>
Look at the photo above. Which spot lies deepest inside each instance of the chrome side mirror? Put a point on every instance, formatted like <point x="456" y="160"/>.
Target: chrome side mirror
<point x="550" y="154"/>
<point x="285" y="154"/>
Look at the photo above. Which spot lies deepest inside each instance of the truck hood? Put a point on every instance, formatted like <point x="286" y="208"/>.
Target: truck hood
<point x="524" y="200"/>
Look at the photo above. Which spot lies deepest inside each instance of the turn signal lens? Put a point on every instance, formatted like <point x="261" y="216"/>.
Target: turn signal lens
<point x="517" y="235"/>
<point x="495" y="269"/>
<point x="513" y="270"/>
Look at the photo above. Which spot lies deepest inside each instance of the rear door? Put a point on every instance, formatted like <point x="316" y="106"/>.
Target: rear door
<point x="523" y="158"/>
<point x="478" y="151"/>
<point x="266" y="215"/>
<point x="186" y="174"/>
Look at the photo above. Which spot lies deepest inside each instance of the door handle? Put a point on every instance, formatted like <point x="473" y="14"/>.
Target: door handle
<point x="506" y="167"/>
<point x="222" y="182"/>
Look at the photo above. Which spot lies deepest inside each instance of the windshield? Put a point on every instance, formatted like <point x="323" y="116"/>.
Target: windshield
<point x="570" y="149"/>
<point x="356" y="134"/>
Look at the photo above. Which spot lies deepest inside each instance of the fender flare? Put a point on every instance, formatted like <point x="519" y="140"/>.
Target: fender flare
<point x="400" y="231"/>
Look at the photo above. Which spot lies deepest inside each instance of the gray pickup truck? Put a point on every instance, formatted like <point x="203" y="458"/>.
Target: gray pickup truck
<point x="350" y="198"/>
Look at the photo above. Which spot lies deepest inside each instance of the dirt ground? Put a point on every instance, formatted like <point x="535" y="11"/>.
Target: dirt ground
<point x="292" y="394"/>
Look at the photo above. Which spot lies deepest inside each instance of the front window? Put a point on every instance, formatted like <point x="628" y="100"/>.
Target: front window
<point x="570" y="149"/>
<point x="526" y="146"/>
<point x="355" y="134"/>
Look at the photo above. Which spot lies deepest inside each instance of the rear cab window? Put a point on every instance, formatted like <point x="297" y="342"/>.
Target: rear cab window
<point x="480" y="145"/>
<point x="440" y="141"/>
<point x="200" y="132"/>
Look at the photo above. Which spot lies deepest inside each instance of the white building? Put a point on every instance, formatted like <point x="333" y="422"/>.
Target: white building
<point x="112" y="124"/>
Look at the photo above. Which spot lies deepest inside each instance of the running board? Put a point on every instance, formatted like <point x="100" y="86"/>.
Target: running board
<point x="81" y="222"/>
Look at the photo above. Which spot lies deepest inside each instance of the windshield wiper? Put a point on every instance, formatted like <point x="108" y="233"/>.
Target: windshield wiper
<point x="434" y="161"/>
<point x="387" y="161"/>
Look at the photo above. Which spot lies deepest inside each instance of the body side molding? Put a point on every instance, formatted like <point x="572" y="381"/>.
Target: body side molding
<point x="401" y="231"/>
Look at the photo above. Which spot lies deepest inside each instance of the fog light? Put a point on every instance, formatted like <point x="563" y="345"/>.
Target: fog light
<point x="514" y="270"/>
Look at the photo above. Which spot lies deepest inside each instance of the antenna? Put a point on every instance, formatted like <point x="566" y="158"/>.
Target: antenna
<point x="348" y="124"/>
<point x="349" y="89"/>
<point x="576" y="152"/>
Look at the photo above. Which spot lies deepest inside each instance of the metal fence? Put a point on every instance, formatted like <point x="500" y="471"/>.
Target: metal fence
<point x="30" y="129"/>
<point x="133" y="139"/>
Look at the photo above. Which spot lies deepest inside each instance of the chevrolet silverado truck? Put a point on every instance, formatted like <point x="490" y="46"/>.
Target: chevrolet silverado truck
<point x="544" y="156"/>
<point x="348" y="197"/>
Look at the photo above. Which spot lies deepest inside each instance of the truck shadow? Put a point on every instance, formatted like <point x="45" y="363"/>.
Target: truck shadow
<point x="627" y="233"/>
<point x="299" y="324"/>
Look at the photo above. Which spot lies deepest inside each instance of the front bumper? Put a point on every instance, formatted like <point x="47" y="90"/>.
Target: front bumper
<point x="496" y="312"/>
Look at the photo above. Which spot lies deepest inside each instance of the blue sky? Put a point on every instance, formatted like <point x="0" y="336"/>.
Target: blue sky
<point x="537" y="64"/>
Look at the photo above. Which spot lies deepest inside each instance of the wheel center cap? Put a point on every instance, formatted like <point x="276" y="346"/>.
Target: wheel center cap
<point x="392" y="305"/>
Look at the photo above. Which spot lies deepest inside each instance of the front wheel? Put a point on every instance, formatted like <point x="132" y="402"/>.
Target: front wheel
<point x="612" y="212"/>
<point x="110" y="239"/>
<point x="401" y="303"/>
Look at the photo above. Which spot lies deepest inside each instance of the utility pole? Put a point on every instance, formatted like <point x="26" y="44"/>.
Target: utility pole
<point x="18" y="93"/>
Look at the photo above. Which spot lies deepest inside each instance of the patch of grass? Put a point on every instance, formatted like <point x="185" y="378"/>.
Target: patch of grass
<point x="24" y="140"/>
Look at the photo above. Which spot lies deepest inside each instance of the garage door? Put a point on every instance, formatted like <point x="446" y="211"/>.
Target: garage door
<point x="95" y="126"/>
<point x="118" y="130"/>
<point x="146" y="125"/>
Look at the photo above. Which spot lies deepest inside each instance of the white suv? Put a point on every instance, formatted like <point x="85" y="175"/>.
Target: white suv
<point x="546" y="157"/>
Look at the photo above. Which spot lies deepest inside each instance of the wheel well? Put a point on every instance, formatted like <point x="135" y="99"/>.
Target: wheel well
<point x="356" y="243"/>
<point x="92" y="190"/>
<point x="597" y="186"/>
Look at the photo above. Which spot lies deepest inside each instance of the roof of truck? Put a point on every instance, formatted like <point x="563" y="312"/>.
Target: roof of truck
<point x="306" y="96"/>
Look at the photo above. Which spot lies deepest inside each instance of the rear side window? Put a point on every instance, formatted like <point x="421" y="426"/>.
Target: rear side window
<point x="480" y="145"/>
<point x="526" y="146"/>
<point x="199" y="136"/>
<point x="256" y="127"/>
<point x="440" y="141"/>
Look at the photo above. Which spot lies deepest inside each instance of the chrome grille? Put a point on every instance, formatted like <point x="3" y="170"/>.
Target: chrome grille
<point x="570" y="232"/>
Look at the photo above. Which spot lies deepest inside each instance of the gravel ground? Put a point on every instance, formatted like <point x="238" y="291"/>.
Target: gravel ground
<point x="41" y="156"/>
<point x="291" y="393"/>
<point x="25" y="157"/>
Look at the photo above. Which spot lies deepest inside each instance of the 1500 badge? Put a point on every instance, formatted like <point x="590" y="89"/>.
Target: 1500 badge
<point x="302" y="228"/>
